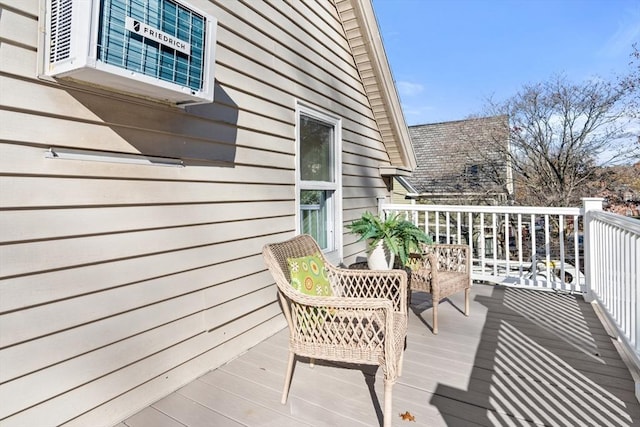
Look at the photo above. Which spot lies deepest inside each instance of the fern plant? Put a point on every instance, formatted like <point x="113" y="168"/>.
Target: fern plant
<point x="401" y="237"/>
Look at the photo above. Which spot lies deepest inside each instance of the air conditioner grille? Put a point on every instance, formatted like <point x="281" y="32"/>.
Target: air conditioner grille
<point x="130" y="51"/>
<point x="60" y="47"/>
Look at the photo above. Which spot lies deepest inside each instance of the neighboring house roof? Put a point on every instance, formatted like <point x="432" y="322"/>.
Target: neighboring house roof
<point x="455" y="157"/>
<point x="363" y="34"/>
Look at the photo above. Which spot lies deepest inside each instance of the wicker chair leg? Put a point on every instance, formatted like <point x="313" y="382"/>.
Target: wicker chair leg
<point x="287" y="380"/>
<point x="312" y="362"/>
<point x="435" y="316"/>
<point x="400" y="363"/>
<point x="466" y="301"/>
<point x="388" y="407"/>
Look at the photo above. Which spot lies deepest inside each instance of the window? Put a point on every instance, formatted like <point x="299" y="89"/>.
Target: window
<point x="318" y="193"/>
<point x="471" y="171"/>
<point x="472" y="176"/>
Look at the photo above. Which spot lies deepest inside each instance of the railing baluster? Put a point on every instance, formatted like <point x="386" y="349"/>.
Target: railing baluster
<point x="470" y="233"/>
<point x="633" y="252"/>
<point x="520" y="264"/>
<point x="626" y="291"/>
<point x="426" y="222"/>
<point x="576" y="247"/>
<point x="507" y="243"/>
<point x="482" y="243"/>
<point x="563" y="282"/>
<point x="494" y="243"/>
<point x="547" y="250"/>
<point x="534" y="249"/>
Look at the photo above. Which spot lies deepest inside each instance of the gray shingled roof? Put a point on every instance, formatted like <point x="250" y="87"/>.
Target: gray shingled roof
<point x="453" y="156"/>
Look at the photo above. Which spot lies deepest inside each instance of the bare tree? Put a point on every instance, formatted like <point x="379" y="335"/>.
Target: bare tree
<point x="560" y="132"/>
<point x="630" y="84"/>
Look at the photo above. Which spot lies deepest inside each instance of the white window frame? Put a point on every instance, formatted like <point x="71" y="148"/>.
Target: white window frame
<point x="334" y="225"/>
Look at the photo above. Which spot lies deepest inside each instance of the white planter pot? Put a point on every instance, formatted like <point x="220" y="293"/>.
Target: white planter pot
<point x="380" y="258"/>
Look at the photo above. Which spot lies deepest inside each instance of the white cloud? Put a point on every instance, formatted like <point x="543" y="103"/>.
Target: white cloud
<point x="621" y="149"/>
<point x="409" y="89"/>
<point x="628" y="32"/>
<point x="417" y="115"/>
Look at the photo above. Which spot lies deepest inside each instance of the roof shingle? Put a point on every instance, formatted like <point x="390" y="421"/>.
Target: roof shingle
<point x="455" y="157"/>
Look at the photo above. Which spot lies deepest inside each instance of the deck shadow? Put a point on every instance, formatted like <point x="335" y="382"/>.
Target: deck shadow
<point x="369" y="373"/>
<point x="420" y="302"/>
<point x="543" y="359"/>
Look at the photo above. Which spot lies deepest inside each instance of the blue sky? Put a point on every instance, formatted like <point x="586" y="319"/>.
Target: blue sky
<point x="448" y="56"/>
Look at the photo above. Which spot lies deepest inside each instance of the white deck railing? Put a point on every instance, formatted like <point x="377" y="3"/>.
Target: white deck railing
<point x="524" y="246"/>
<point x="564" y="249"/>
<point x="614" y="272"/>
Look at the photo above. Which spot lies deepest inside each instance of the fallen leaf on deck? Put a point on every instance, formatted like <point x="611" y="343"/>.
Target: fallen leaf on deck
<point x="407" y="417"/>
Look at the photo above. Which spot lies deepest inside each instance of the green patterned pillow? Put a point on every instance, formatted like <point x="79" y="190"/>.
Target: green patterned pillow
<point x="309" y="275"/>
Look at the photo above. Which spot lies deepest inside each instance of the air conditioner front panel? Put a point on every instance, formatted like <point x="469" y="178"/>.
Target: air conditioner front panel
<point x="109" y="77"/>
<point x="144" y="44"/>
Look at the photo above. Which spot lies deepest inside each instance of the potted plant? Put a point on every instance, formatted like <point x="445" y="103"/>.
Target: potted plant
<point x="388" y="238"/>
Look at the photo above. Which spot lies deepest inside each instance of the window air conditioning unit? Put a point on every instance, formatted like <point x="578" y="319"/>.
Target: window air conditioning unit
<point x="159" y="49"/>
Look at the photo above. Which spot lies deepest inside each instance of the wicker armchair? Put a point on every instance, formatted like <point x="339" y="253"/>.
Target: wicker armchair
<point x="451" y="275"/>
<point x="363" y="322"/>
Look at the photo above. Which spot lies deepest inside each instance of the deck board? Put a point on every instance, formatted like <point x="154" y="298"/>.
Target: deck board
<point x="522" y="357"/>
<point x="191" y="412"/>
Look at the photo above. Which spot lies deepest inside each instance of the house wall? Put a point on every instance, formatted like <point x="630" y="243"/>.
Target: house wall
<point x="119" y="283"/>
<point x="399" y="193"/>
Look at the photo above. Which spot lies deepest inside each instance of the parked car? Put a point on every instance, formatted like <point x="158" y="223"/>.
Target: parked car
<point x="572" y="276"/>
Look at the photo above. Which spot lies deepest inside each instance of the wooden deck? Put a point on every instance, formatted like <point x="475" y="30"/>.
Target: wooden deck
<point x="523" y="357"/>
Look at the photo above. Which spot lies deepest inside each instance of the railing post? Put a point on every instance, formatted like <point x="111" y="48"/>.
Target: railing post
<point x="381" y="202"/>
<point x="589" y="204"/>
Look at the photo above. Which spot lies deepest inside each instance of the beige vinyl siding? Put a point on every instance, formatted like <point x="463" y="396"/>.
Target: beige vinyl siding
<point x="119" y="283"/>
<point x="399" y="193"/>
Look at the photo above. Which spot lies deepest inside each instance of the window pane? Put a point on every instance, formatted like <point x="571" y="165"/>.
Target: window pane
<point x="316" y="157"/>
<point x="314" y="214"/>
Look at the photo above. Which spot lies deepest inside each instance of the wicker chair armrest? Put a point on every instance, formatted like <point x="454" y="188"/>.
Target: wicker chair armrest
<point x="423" y="276"/>
<point x="340" y="303"/>
<point x="448" y="245"/>
<point x="450" y="257"/>
<point x="371" y="284"/>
